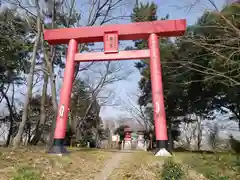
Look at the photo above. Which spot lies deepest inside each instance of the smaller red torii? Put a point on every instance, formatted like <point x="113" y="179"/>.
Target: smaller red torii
<point x="110" y="35"/>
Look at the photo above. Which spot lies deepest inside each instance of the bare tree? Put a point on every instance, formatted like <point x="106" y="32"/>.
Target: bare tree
<point x="188" y="129"/>
<point x="197" y="132"/>
<point x="136" y="111"/>
<point x="28" y="96"/>
<point x="42" y="120"/>
<point x="192" y="132"/>
<point x="213" y="137"/>
<point x="110" y="126"/>
<point x="100" y="77"/>
<point x="11" y="109"/>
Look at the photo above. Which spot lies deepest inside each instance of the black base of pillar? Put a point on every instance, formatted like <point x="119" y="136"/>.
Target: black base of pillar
<point x="58" y="147"/>
<point x="162" y="148"/>
<point x="162" y="144"/>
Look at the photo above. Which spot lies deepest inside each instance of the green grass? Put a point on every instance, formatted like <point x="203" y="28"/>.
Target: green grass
<point x="172" y="170"/>
<point x="216" y="166"/>
<point x="27" y="173"/>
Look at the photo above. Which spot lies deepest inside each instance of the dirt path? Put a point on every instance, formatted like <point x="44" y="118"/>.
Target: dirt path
<point x="112" y="164"/>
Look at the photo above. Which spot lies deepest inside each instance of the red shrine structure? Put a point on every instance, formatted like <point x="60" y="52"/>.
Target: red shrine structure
<point x="110" y="35"/>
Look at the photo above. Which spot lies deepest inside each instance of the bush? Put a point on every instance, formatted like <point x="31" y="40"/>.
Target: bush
<point x="218" y="166"/>
<point x="172" y="170"/>
<point x="235" y="144"/>
<point x="27" y="173"/>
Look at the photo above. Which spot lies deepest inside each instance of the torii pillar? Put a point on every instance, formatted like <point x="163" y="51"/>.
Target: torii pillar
<point x="110" y="35"/>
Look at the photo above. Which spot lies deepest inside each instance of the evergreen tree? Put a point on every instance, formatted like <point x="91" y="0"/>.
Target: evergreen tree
<point x="14" y="47"/>
<point x="148" y="12"/>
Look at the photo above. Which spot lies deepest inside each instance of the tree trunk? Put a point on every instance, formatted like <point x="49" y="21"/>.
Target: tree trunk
<point x="170" y="138"/>
<point x="55" y="107"/>
<point x="41" y="122"/>
<point x="110" y="138"/>
<point x="52" y="78"/>
<point x="97" y="138"/>
<point x="11" y="118"/>
<point x="17" y="139"/>
<point x="49" y="61"/>
<point x="53" y="93"/>
<point x="199" y="136"/>
<point x="239" y="124"/>
<point x="28" y="133"/>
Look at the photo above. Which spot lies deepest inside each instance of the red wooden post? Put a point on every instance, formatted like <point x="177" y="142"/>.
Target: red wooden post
<point x="65" y="97"/>
<point x="158" y="96"/>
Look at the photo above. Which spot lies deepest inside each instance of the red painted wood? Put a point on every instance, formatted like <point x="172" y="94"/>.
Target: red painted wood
<point x="62" y="116"/>
<point x="128" y="136"/>
<point x="110" y="42"/>
<point x="121" y="55"/>
<point x="131" y="31"/>
<point x="157" y="89"/>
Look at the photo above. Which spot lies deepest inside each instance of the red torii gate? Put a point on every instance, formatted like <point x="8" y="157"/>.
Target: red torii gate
<point x="110" y="35"/>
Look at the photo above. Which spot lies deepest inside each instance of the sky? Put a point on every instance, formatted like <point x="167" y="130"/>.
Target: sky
<point x="177" y="9"/>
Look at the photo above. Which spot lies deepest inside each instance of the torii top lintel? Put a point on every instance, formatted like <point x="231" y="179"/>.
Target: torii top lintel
<point x="132" y="31"/>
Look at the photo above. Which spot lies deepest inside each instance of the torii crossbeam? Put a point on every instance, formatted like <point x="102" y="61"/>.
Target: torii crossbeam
<point x="110" y="35"/>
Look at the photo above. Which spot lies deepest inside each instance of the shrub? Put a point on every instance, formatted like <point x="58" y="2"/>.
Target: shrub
<point x="27" y="173"/>
<point x="235" y="144"/>
<point x="218" y="166"/>
<point x="172" y="170"/>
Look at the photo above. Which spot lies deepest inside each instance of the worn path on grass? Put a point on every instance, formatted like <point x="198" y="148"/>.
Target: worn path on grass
<point x="113" y="163"/>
